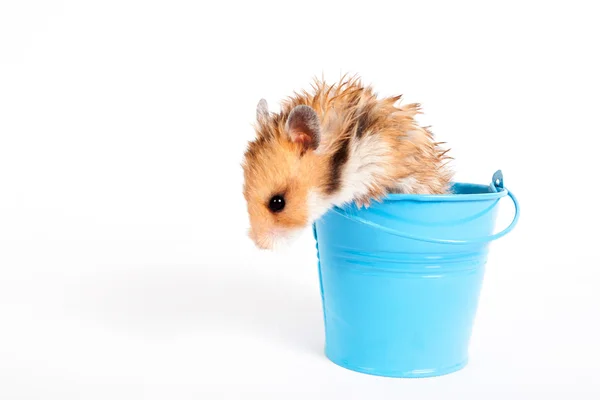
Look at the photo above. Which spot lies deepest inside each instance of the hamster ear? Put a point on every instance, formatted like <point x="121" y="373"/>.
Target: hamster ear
<point x="303" y="127"/>
<point x="262" y="110"/>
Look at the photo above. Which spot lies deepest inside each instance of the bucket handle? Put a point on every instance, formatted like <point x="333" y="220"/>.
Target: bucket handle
<point x="497" y="183"/>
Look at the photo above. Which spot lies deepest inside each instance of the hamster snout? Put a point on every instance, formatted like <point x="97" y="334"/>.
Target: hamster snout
<point x="274" y="238"/>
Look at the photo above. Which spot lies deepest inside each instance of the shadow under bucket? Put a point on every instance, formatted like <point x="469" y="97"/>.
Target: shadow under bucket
<point x="400" y="281"/>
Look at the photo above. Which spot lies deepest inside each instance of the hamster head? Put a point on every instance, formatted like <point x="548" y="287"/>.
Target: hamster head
<point x="281" y="171"/>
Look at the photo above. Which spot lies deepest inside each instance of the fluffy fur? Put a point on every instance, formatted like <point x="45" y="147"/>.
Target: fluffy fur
<point x="334" y="145"/>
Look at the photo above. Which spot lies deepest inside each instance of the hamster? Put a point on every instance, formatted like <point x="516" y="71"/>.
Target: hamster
<point x="337" y="144"/>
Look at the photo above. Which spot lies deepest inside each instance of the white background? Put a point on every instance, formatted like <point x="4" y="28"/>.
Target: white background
<point x="125" y="270"/>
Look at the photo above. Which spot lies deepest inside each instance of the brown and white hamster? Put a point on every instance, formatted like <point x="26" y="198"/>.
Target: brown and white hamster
<point x="331" y="146"/>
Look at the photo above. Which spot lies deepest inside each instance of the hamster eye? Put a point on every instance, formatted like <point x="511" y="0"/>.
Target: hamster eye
<point x="277" y="203"/>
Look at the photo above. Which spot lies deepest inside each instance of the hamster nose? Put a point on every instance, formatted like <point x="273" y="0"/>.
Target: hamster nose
<point x="263" y="242"/>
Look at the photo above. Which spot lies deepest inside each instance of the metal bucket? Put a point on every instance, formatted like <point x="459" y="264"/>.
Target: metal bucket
<point x="400" y="281"/>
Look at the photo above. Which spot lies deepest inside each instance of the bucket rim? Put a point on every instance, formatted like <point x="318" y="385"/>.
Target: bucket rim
<point x="477" y="192"/>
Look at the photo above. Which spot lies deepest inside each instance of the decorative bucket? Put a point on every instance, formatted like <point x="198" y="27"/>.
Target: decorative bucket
<point x="400" y="280"/>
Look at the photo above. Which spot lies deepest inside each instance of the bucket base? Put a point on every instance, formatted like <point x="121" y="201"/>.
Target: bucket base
<point x="423" y="373"/>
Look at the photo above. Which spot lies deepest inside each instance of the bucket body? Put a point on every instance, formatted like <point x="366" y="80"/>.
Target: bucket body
<point x="398" y="306"/>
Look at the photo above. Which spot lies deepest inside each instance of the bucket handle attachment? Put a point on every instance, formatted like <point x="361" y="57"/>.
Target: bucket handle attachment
<point x="497" y="185"/>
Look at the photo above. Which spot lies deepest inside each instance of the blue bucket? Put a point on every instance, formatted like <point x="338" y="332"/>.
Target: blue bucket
<point x="400" y="281"/>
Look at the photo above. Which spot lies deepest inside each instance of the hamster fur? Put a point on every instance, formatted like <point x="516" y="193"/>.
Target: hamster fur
<point x="331" y="146"/>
